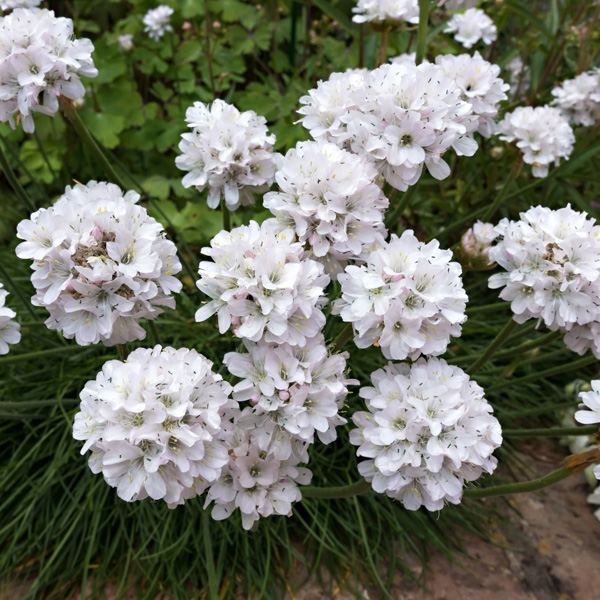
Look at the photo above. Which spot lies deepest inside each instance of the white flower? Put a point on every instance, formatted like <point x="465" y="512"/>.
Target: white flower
<point x="471" y="26"/>
<point x="408" y="298"/>
<point x="520" y="77"/>
<point x="579" y="98"/>
<point x="328" y="197"/>
<point x="400" y="117"/>
<point x="10" y="330"/>
<point x="12" y="4"/>
<point x="294" y="393"/>
<point x="126" y="41"/>
<point x="228" y="151"/>
<point x="100" y="264"/>
<point x="39" y="62"/>
<point x="262" y="286"/>
<point x="154" y="424"/>
<point x="542" y="134"/>
<point x="386" y="10"/>
<point x="157" y="21"/>
<point x="591" y="400"/>
<point x="480" y="86"/>
<point x="428" y="429"/>
<point x="551" y="260"/>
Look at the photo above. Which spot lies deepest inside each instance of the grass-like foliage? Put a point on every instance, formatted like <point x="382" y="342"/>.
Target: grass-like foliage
<point x="61" y="527"/>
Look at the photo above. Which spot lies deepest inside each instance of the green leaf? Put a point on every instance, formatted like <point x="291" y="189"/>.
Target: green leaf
<point x="106" y="127"/>
<point x="157" y="186"/>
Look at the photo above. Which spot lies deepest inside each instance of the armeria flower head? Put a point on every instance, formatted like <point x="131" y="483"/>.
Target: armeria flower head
<point x="39" y="62"/>
<point x="261" y="285"/>
<point x="100" y="264"/>
<point x="579" y="98"/>
<point x="479" y="84"/>
<point x="380" y="11"/>
<point x="474" y="249"/>
<point x="126" y="42"/>
<point x="541" y="133"/>
<point x="328" y="196"/>
<point x="157" y="21"/>
<point x="590" y="413"/>
<point x="10" y="330"/>
<point x="400" y="117"/>
<point x="295" y="392"/>
<point x="154" y="424"/>
<point x="472" y="26"/>
<point x="229" y="152"/>
<point x="551" y="260"/>
<point x="408" y="298"/>
<point x="428" y="429"/>
<point x="12" y="4"/>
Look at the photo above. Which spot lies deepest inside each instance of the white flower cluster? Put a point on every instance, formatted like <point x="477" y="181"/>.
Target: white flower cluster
<point x="228" y="151"/>
<point x="261" y="285"/>
<point x="100" y="264"/>
<point x="125" y="42"/>
<point x="552" y="263"/>
<point x="408" y="298"/>
<point x="10" y="330"/>
<point x="542" y="134"/>
<point x="157" y="21"/>
<point x="399" y="116"/>
<point x="12" y="4"/>
<point x="294" y="392"/>
<point x="474" y="249"/>
<point x="380" y="11"/>
<point x="39" y="61"/>
<point x="428" y="430"/>
<point x="579" y="98"/>
<point x="479" y="84"/>
<point x="327" y="196"/>
<point x="591" y="413"/>
<point x="472" y="26"/>
<point x="155" y="424"/>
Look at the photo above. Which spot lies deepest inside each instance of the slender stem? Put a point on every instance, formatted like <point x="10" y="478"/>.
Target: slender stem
<point x="213" y="592"/>
<point x="343" y="337"/>
<point x="552" y="432"/>
<point x="422" y="31"/>
<point x="512" y="176"/>
<point x="19" y="294"/>
<point x="471" y="310"/>
<point x="153" y="332"/>
<point x="381" y="55"/>
<point x="122" y="350"/>
<point x="14" y="182"/>
<point x="226" y="215"/>
<point x="208" y="54"/>
<point x="88" y="140"/>
<point x="498" y="341"/>
<point x="32" y="356"/>
<point x="344" y="491"/>
<point x="44" y="155"/>
<point x="582" y="362"/>
<point x="400" y="207"/>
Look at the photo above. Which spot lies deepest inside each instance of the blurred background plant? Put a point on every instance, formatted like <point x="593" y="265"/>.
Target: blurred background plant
<point x="62" y="528"/>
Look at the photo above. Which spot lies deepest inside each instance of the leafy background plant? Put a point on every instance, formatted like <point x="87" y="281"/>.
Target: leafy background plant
<point x="63" y="528"/>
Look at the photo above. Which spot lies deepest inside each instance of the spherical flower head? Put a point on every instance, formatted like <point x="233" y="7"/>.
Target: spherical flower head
<point x="126" y="42"/>
<point x="408" y="298"/>
<point x="473" y="251"/>
<point x="261" y="285"/>
<point x="386" y="11"/>
<point x="579" y="98"/>
<point x="329" y="198"/>
<point x="479" y="84"/>
<point x="39" y="62"/>
<point x="401" y="117"/>
<point x="157" y="21"/>
<point x="295" y="393"/>
<point x="472" y="26"/>
<point x="228" y="151"/>
<point x="10" y="330"/>
<point x="154" y="423"/>
<point x="551" y="262"/>
<point x="12" y="4"/>
<point x="542" y="134"/>
<point x="428" y="429"/>
<point x="100" y="263"/>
